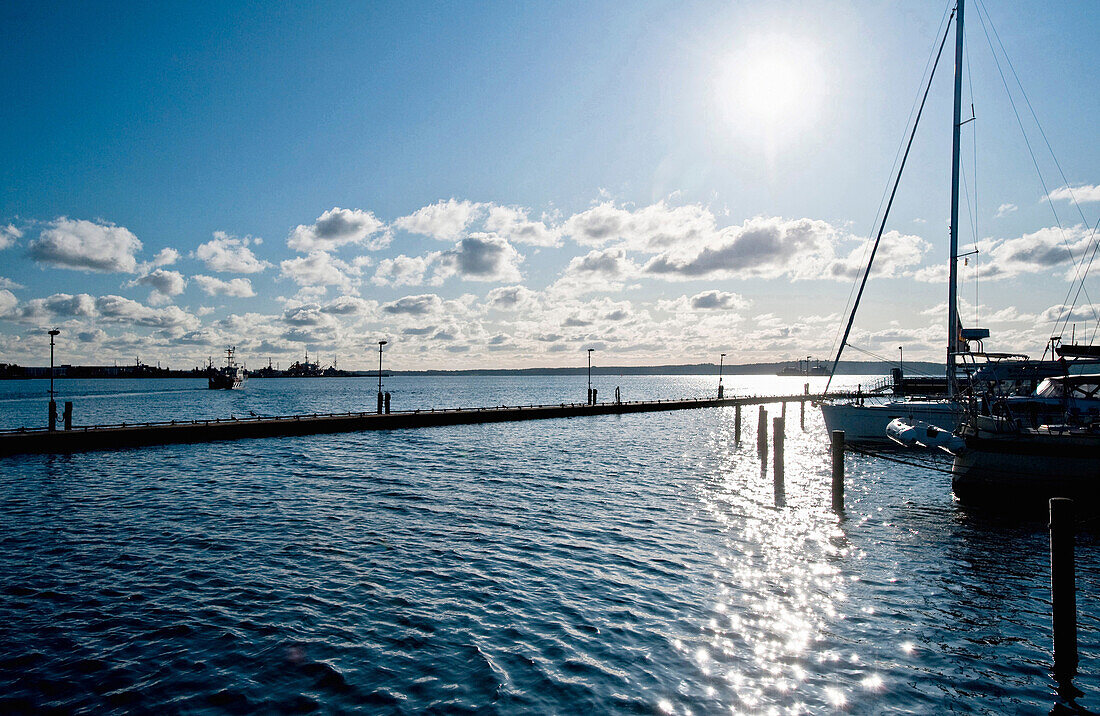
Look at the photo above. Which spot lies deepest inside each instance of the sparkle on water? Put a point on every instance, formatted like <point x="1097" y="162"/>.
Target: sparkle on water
<point x="624" y="563"/>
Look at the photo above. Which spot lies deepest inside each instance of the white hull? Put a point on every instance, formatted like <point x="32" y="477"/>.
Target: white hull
<point x="867" y="423"/>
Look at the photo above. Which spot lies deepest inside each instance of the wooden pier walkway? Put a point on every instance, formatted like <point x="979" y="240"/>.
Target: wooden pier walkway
<point x="110" y="437"/>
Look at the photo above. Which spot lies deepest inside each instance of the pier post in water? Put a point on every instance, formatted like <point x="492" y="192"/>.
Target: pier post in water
<point x="52" y="418"/>
<point x="387" y="402"/>
<point x="762" y="435"/>
<point x="737" y="424"/>
<point x="68" y="415"/>
<point x="783" y="410"/>
<point x="838" y="470"/>
<point x="1063" y="588"/>
<point x="802" y="404"/>
<point x="778" y="428"/>
<point x="380" y="399"/>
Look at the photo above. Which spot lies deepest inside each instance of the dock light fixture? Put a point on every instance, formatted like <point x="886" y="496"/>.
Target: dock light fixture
<point x="590" y="375"/>
<point x="53" y="404"/>
<point x="901" y="360"/>
<point x="721" y="360"/>
<point x="380" y="344"/>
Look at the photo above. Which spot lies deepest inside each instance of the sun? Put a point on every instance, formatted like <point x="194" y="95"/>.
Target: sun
<point x="770" y="88"/>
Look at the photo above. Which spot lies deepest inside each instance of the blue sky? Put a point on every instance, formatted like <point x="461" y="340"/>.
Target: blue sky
<point x="507" y="184"/>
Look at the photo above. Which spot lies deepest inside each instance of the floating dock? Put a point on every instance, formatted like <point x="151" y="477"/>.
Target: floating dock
<point x="110" y="437"/>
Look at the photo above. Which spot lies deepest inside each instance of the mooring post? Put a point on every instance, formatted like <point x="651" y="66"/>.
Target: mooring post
<point x="52" y="418"/>
<point x="737" y="424"/>
<point x="762" y="434"/>
<point x="778" y="425"/>
<point x="387" y="402"/>
<point x="783" y="410"/>
<point x="595" y="391"/>
<point x="618" y="397"/>
<point x="1063" y="588"/>
<point x="68" y="415"/>
<point x="802" y="404"/>
<point x="838" y="470"/>
<point x="381" y="398"/>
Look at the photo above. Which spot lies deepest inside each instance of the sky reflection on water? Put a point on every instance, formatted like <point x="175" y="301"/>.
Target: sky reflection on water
<point x="635" y="563"/>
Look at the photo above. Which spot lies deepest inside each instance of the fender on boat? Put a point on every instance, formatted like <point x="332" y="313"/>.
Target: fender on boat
<point x="918" y="433"/>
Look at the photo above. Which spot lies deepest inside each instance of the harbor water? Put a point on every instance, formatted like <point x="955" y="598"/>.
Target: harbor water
<point x="634" y="563"/>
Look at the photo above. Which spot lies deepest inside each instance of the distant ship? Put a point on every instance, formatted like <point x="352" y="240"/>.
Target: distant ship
<point x="807" y="367"/>
<point x="228" y="377"/>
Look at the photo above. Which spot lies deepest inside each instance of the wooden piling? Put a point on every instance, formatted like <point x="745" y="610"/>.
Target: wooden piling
<point x="838" y="470"/>
<point x="1063" y="588"/>
<point x="68" y="415"/>
<point x="802" y="404"/>
<point x="52" y="417"/>
<point x="778" y="428"/>
<point x="737" y="425"/>
<point x="762" y="435"/>
<point x="783" y="411"/>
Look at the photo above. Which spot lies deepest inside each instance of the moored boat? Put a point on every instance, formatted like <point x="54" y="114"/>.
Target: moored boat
<point x="228" y="377"/>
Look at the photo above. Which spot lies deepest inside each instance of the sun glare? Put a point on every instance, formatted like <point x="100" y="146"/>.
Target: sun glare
<point x="770" y="88"/>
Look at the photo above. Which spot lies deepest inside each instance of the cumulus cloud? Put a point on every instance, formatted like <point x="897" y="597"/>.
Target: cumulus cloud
<point x="211" y="286"/>
<point x="514" y="224"/>
<point x="164" y="284"/>
<point x="8" y="302"/>
<point x="651" y="229"/>
<point x="414" y="305"/>
<point x="1005" y="210"/>
<point x="481" y="257"/>
<point x="760" y="247"/>
<point x="86" y="246"/>
<point x="715" y="299"/>
<point x="896" y="252"/>
<point x="8" y="283"/>
<point x="9" y="235"/>
<point x="1083" y="193"/>
<point x="338" y="227"/>
<point x="510" y="298"/>
<point x="598" y="270"/>
<point x="320" y="269"/>
<point x="226" y="253"/>
<point x="166" y="257"/>
<point x="444" y="220"/>
<point x="478" y="257"/>
<point x="404" y="270"/>
<point x="118" y="309"/>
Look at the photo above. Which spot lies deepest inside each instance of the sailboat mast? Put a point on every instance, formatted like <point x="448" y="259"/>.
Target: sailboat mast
<point x="953" y="265"/>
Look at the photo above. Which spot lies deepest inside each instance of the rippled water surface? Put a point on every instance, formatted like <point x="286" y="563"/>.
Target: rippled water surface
<point x="617" y="563"/>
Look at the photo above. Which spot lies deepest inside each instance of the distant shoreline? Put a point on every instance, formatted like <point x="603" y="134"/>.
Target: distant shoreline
<point x="844" y="368"/>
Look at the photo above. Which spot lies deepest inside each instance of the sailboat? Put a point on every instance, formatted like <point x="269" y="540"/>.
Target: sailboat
<point x="971" y="371"/>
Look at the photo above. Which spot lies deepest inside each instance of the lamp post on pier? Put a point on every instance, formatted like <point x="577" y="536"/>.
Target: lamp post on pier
<point x="53" y="403"/>
<point x="901" y="360"/>
<point x="380" y="344"/>
<point x="590" y="401"/>
<point x="721" y="360"/>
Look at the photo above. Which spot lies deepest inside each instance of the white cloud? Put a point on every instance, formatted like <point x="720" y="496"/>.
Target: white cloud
<point x="651" y="229"/>
<point x="715" y="299"/>
<point x="896" y="252"/>
<point x="8" y="283"/>
<point x="420" y="305"/>
<point x="86" y="246"/>
<point x="118" y="309"/>
<point x="444" y="220"/>
<point x="9" y="235"/>
<point x="338" y="227"/>
<point x="404" y="270"/>
<point x="478" y="257"/>
<point x="1005" y="210"/>
<point x="760" y="247"/>
<point x="226" y="253"/>
<point x="510" y="298"/>
<point x="164" y="284"/>
<point x="167" y="256"/>
<point x="8" y="302"/>
<point x="1083" y="193"/>
<point x="240" y="287"/>
<point x="320" y="269"/>
<point x="481" y="257"/>
<point x="513" y="224"/>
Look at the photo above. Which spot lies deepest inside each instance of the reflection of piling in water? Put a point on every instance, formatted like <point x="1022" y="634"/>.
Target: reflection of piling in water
<point x="1063" y="588"/>
<point x="838" y="470"/>
<point x="778" y="429"/>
